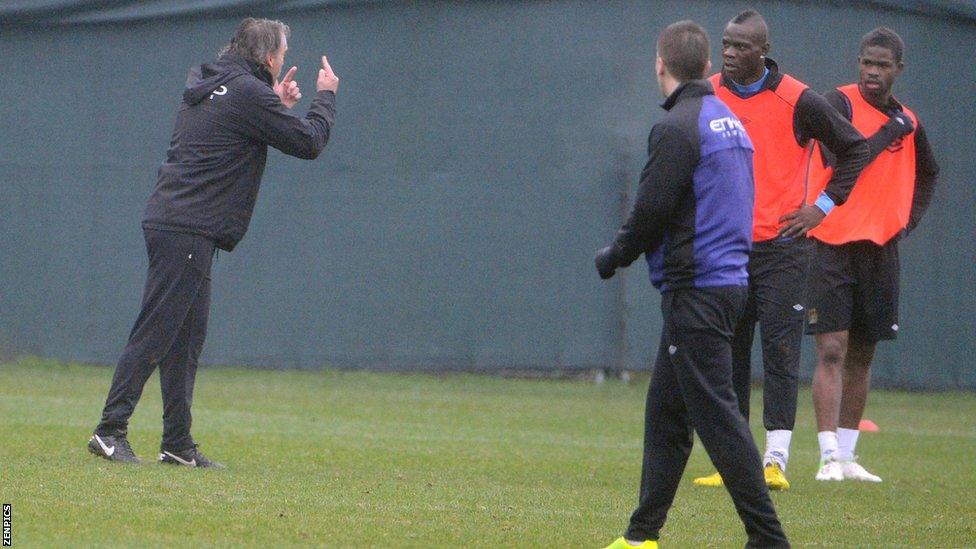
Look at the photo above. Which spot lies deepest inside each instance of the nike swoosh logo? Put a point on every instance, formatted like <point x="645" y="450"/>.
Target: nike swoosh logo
<point x="109" y="450"/>
<point x="191" y="463"/>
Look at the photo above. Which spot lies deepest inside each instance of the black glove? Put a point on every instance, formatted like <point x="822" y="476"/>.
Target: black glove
<point x="899" y="125"/>
<point x="606" y="262"/>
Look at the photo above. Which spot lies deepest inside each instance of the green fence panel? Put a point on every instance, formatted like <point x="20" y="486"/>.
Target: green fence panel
<point x="482" y="152"/>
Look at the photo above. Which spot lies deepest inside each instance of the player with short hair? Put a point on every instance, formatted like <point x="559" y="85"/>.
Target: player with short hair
<point x="692" y="218"/>
<point x="783" y="118"/>
<point x="232" y="110"/>
<point x="854" y="278"/>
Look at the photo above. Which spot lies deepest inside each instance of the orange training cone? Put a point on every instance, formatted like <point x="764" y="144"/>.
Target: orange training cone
<point x="868" y="426"/>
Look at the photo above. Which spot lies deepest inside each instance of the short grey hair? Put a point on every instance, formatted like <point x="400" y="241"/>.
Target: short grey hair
<point x="256" y="39"/>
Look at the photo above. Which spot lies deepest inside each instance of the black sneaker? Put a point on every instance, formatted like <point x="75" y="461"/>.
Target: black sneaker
<point x="190" y="457"/>
<point x="112" y="447"/>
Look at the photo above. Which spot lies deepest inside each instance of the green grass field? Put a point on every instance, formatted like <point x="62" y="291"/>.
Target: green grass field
<point x="384" y="460"/>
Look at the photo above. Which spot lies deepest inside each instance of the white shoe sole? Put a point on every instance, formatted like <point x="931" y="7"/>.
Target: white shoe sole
<point x="829" y="478"/>
<point x="864" y="479"/>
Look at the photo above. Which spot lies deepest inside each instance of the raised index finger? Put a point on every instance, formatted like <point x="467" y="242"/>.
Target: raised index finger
<point x="289" y="75"/>
<point x="326" y="66"/>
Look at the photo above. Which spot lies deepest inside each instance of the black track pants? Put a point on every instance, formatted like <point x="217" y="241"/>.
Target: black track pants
<point x="169" y="333"/>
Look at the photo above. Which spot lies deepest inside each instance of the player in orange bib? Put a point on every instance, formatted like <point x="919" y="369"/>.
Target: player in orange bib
<point x="783" y="117"/>
<point x="853" y="300"/>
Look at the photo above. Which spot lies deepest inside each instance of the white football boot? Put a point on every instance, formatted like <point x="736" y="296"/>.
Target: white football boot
<point x="852" y="470"/>
<point x="830" y="470"/>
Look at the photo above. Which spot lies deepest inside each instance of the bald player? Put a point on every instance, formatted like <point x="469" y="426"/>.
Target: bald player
<point x="783" y="118"/>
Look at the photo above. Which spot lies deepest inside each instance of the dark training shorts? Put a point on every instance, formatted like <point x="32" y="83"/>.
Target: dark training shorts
<point x="854" y="287"/>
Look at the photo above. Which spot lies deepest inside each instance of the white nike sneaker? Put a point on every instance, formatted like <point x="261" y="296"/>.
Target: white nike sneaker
<point x="830" y="470"/>
<point x="852" y="470"/>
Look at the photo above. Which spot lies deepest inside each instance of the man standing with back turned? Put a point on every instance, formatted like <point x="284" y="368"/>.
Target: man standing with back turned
<point x="854" y="280"/>
<point x="204" y="196"/>
<point x="692" y="219"/>
<point x="782" y="117"/>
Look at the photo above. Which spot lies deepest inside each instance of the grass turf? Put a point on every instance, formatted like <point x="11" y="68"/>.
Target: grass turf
<point x="345" y="459"/>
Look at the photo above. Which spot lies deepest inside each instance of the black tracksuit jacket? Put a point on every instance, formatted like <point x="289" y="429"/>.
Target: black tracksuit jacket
<point x="229" y="116"/>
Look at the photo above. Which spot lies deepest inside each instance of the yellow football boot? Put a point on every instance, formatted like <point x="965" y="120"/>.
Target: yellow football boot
<point x="713" y="480"/>
<point x="621" y="543"/>
<point x="775" y="478"/>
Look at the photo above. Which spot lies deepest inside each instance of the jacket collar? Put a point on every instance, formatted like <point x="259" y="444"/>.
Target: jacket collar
<point x="687" y="90"/>
<point x="260" y="71"/>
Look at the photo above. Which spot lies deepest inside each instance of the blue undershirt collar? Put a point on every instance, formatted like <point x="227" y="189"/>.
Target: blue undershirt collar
<point x="751" y="89"/>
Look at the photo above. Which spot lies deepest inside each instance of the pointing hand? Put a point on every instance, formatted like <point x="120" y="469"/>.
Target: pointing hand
<point x="288" y="89"/>
<point x="327" y="81"/>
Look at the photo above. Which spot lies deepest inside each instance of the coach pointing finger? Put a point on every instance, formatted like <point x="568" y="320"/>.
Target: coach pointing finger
<point x="327" y="81"/>
<point x="287" y="90"/>
<point x="232" y="111"/>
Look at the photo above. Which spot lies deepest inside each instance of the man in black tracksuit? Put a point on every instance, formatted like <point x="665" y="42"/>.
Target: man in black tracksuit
<point x="692" y="219"/>
<point x="231" y="111"/>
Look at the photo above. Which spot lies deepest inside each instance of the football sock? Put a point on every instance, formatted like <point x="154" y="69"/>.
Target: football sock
<point x="846" y="441"/>
<point x="828" y="444"/>
<point x="778" y="447"/>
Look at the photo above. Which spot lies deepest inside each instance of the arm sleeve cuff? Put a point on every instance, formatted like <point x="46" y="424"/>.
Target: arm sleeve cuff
<point x="825" y="203"/>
